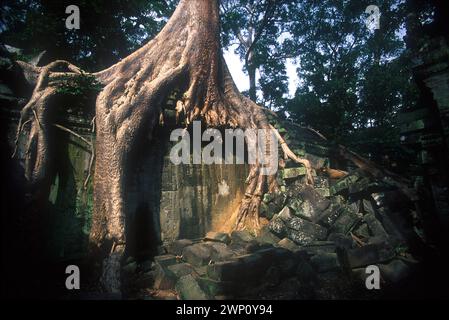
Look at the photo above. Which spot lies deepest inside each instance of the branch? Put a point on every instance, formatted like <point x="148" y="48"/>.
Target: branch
<point x="73" y="133"/>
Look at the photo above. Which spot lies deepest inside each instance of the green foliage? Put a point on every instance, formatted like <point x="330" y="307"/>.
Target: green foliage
<point x="255" y="26"/>
<point x="109" y="30"/>
<point x="353" y="81"/>
<point x="81" y="86"/>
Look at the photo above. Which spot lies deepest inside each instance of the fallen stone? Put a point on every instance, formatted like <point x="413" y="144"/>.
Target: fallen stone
<point x="361" y="185"/>
<point x="177" y="246"/>
<point x="341" y="240"/>
<point x="274" y="254"/>
<point x="189" y="289"/>
<point x="288" y="244"/>
<point x="328" y="216"/>
<point x="272" y="276"/>
<point x="301" y="208"/>
<point x="164" y="280"/>
<point x="288" y="267"/>
<point x="220" y="251"/>
<point x="226" y="271"/>
<point x="325" y="262"/>
<point x="165" y="260"/>
<point x="304" y="232"/>
<point x="198" y="254"/>
<point x="368" y="206"/>
<point x="368" y="254"/>
<point x="355" y="206"/>
<point x="285" y="214"/>
<point x="240" y="236"/>
<point x="395" y="271"/>
<point x="306" y="273"/>
<point x="277" y="227"/>
<point x="214" y="287"/>
<point x="291" y="173"/>
<point x="342" y="185"/>
<point x="346" y="221"/>
<point x="375" y="226"/>
<point x="181" y="269"/>
<point x="318" y="247"/>
<point x="362" y="231"/>
<point x="218" y="236"/>
<point x="265" y="236"/>
<point x="252" y="246"/>
<point x="324" y="192"/>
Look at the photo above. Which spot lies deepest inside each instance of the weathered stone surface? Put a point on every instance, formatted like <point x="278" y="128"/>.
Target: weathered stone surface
<point x="170" y="218"/>
<point x="189" y="289"/>
<point x="395" y="271"/>
<point x="345" y="222"/>
<point x="285" y="214"/>
<point x="369" y="254"/>
<point x="318" y="247"/>
<point x="362" y="231"/>
<point x="291" y="173"/>
<point x="218" y="236"/>
<point x="305" y="272"/>
<point x="288" y="244"/>
<point x="324" y="192"/>
<point x="361" y="185"/>
<point x="375" y="226"/>
<point x="177" y="246"/>
<point x="265" y="236"/>
<point x="343" y="184"/>
<point x="341" y="240"/>
<point x="328" y="216"/>
<point x="277" y="226"/>
<point x="325" y="262"/>
<point x="166" y="277"/>
<point x="368" y="206"/>
<point x="240" y="236"/>
<point x="198" y="254"/>
<point x="304" y="232"/>
<point x="226" y="271"/>
<point x="181" y="269"/>
<point x="165" y="260"/>
<point x="272" y="276"/>
<point x="301" y="208"/>
<point x="220" y="252"/>
<point x="216" y="288"/>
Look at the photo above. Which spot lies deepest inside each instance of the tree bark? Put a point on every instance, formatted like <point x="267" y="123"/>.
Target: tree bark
<point x="186" y="56"/>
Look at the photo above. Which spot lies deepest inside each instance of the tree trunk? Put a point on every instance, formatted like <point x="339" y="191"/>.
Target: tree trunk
<point x="252" y="77"/>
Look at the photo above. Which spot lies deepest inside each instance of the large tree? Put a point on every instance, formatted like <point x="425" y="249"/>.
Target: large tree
<point x="185" y="56"/>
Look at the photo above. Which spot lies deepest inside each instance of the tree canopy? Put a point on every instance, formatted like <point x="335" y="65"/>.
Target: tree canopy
<point x="352" y="80"/>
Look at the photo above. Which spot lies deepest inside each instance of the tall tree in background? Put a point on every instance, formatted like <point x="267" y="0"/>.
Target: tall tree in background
<point x="255" y="27"/>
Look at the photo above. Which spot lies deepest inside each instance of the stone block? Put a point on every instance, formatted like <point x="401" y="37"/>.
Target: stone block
<point x="176" y="247"/>
<point x="189" y="289"/>
<point x="198" y="254"/>
<point x="218" y="236"/>
<point x="325" y="262"/>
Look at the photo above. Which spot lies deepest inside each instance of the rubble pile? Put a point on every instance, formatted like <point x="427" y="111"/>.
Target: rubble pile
<point x="316" y="242"/>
